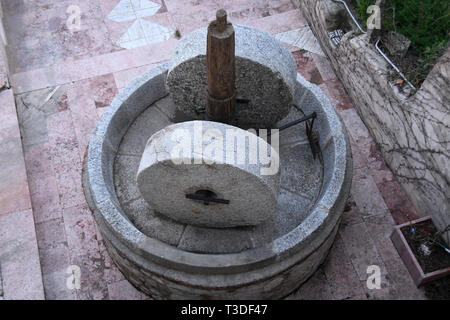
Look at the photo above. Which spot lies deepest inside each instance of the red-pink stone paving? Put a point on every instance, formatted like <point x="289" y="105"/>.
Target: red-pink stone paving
<point x="20" y="268"/>
<point x="89" y="68"/>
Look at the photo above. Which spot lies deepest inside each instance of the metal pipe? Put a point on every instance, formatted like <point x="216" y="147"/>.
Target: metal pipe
<point x="293" y="123"/>
<point x="351" y="15"/>
<point x="393" y="65"/>
<point x="376" y="45"/>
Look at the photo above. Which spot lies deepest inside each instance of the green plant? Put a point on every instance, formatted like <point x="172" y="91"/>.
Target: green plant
<point x="430" y="55"/>
<point x="361" y="7"/>
<point x="425" y="23"/>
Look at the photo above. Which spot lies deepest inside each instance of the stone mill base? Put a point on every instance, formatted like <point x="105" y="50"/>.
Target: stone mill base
<point x="169" y="260"/>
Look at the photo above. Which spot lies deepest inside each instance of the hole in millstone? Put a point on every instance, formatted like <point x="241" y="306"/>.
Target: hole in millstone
<point x="242" y="101"/>
<point x="207" y="194"/>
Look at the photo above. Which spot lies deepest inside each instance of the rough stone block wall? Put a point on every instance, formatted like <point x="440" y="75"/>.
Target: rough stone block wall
<point x="4" y="83"/>
<point x="412" y="132"/>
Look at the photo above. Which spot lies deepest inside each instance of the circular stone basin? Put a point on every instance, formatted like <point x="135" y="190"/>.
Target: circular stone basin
<point x="171" y="260"/>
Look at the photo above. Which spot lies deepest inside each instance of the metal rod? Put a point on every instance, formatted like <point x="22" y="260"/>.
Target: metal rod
<point x="315" y="148"/>
<point x="376" y="44"/>
<point x="293" y="123"/>
<point x="351" y="15"/>
<point x="205" y="199"/>
<point x="393" y="65"/>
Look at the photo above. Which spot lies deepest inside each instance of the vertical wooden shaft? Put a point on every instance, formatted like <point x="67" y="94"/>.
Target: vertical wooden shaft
<point x="220" y="65"/>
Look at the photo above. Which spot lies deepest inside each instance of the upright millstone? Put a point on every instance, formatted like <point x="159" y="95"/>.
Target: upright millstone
<point x="265" y="77"/>
<point x="222" y="181"/>
<point x="220" y="94"/>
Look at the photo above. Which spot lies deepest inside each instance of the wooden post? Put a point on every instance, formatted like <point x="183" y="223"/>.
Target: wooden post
<point x="220" y="65"/>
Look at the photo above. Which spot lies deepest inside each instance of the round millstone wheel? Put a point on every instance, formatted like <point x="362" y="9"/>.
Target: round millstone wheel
<point x="210" y="174"/>
<point x="265" y="77"/>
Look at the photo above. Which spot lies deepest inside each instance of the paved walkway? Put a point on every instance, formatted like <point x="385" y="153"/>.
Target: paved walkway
<point x="63" y="82"/>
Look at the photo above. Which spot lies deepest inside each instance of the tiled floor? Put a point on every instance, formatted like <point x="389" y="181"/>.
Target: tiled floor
<point x="64" y="81"/>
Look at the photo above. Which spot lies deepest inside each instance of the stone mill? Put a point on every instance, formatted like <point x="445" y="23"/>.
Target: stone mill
<point x="222" y="174"/>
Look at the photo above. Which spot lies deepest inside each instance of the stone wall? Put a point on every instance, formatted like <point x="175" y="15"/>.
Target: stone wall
<point x="411" y="129"/>
<point x="4" y="83"/>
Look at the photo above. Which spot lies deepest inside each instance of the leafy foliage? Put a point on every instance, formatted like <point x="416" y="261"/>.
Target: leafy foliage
<point x="425" y="22"/>
<point x="361" y="7"/>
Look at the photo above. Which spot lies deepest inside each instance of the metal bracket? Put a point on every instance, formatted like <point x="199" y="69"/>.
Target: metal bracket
<point x="206" y="200"/>
<point x="242" y="100"/>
